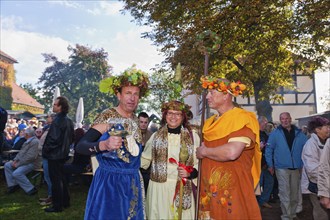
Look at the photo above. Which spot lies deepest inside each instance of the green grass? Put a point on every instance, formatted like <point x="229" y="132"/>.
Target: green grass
<point x="18" y="205"/>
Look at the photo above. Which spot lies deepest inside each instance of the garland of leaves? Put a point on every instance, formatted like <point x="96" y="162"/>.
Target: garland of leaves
<point x="130" y="77"/>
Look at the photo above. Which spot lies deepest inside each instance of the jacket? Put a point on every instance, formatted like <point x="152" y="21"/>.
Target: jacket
<point x="278" y="154"/>
<point x="29" y="152"/>
<point x="59" y="138"/>
<point x="311" y="155"/>
<point x="323" y="179"/>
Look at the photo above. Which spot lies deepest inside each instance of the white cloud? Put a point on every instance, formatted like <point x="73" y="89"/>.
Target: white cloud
<point x="125" y="49"/>
<point x="128" y="48"/>
<point x="27" y="48"/>
<point x="111" y="8"/>
<point x="107" y="8"/>
<point x="66" y="3"/>
<point x="13" y="22"/>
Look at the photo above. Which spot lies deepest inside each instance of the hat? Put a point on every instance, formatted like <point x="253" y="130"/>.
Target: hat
<point x="223" y="85"/>
<point x="176" y="106"/>
<point x="130" y="77"/>
<point x="21" y="127"/>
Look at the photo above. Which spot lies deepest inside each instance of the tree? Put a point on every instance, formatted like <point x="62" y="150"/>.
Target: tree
<point x="164" y="86"/>
<point x="37" y="94"/>
<point x="258" y="42"/>
<point x="78" y="77"/>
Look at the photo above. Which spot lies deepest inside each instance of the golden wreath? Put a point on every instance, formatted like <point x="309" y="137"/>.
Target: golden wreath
<point x="176" y="106"/>
<point x="221" y="85"/>
<point x="130" y="77"/>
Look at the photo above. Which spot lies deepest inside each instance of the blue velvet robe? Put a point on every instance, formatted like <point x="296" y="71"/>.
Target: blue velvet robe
<point x="116" y="191"/>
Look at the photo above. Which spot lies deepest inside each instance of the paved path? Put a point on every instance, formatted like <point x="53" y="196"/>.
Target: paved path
<point x="275" y="212"/>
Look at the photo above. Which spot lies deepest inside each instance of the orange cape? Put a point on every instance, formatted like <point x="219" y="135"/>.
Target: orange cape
<point x="235" y="120"/>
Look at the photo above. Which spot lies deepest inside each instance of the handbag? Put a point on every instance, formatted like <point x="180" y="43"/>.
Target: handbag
<point x="312" y="187"/>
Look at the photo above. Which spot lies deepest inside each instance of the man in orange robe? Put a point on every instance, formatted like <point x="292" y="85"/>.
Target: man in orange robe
<point x="230" y="156"/>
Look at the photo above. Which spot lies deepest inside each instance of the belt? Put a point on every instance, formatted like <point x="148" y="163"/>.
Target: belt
<point x="292" y="168"/>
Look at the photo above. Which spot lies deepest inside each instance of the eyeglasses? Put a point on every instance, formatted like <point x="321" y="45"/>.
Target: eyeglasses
<point x="171" y="114"/>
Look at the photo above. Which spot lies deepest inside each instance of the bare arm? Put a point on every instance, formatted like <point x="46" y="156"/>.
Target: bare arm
<point x="227" y="152"/>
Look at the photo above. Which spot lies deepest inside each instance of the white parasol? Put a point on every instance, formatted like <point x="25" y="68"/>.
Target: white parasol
<point x="57" y="93"/>
<point x="80" y="113"/>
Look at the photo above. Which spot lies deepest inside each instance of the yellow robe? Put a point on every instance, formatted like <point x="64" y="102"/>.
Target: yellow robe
<point x="227" y="188"/>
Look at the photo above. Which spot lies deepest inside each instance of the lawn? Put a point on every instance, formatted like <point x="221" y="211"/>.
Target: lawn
<point x="18" y="205"/>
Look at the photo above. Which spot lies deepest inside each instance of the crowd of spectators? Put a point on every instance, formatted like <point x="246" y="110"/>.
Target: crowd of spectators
<point x="21" y="146"/>
<point x="302" y="169"/>
<point x="294" y="160"/>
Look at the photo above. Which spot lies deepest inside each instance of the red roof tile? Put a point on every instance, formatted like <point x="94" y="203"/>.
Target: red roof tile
<point x="22" y="97"/>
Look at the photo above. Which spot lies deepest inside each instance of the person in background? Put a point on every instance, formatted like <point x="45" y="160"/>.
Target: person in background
<point x="17" y="169"/>
<point x="230" y="154"/>
<point x="11" y="131"/>
<point x="46" y="200"/>
<point x="33" y="122"/>
<point x="143" y="125"/>
<point x="3" y="121"/>
<point x="39" y="132"/>
<point x="146" y="134"/>
<point x="323" y="179"/>
<point x="38" y="161"/>
<point x="305" y="131"/>
<point x="80" y="161"/>
<point x="270" y="126"/>
<point x="283" y="156"/>
<point x="56" y="150"/>
<point x="266" y="178"/>
<point x="117" y="189"/>
<point x="19" y="139"/>
<point x="170" y="142"/>
<point x="319" y="130"/>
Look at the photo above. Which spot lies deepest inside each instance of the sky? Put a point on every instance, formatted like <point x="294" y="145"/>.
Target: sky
<point x="30" y="28"/>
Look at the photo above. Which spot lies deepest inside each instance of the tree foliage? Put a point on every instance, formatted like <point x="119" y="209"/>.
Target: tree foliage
<point x="37" y="94"/>
<point x="163" y="88"/>
<point x="257" y="42"/>
<point x="78" y="77"/>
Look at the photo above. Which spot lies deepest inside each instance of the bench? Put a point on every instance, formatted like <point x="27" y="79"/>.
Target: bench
<point x="36" y="173"/>
<point x="86" y="174"/>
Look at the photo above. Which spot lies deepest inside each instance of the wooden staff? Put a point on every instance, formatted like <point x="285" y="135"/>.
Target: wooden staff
<point x="206" y="67"/>
<point x="180" y="201"/>
<point x="183" y="157"/>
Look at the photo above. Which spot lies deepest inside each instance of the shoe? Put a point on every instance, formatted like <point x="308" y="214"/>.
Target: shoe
<point x="12" y="189"/>
<point x="46" y="202"/>
<point x="272" y="200"/>
<point x="32" y="191"/>
<point x="44" y="199"/>
<point x="66" y="206"/>
<point x="266" y="205"/>
<point x="52" y="209"/>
